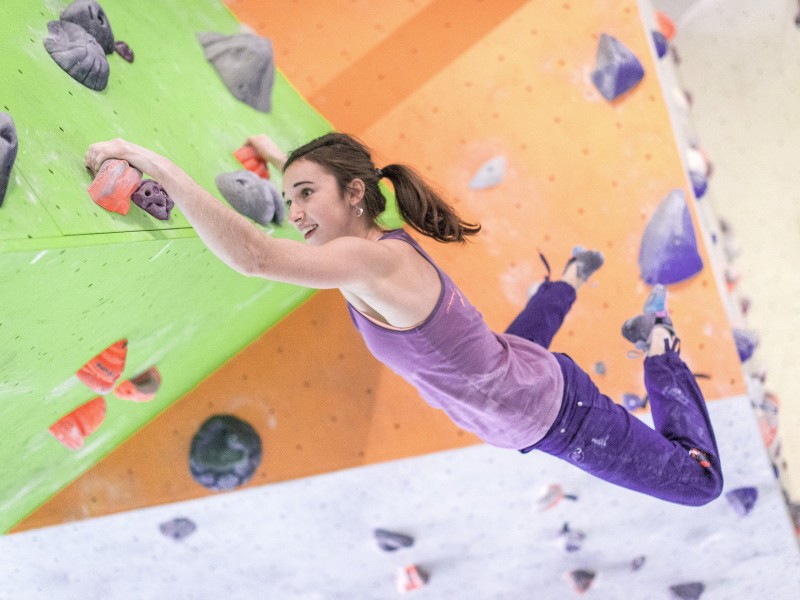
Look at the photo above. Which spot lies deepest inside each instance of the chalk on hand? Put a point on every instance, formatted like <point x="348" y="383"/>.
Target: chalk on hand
<point x="114" y="184"/>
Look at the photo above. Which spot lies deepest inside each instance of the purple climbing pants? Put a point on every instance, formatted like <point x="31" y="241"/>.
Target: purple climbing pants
<point x="602" y="438"/>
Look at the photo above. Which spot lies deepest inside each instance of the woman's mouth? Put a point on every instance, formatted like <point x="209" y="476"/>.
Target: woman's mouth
<point x="308" y="231"/>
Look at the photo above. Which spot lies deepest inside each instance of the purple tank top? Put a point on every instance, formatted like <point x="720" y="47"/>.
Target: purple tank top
<point x="505" y="389"/>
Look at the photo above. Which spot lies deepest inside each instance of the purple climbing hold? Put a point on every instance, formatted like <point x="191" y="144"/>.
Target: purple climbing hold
<point x="668" y="252"/>
<point x="617" y="70"/>
<point x="391" y="540"/>
<point x="91" y="17"/>
<point x="699" y="184"/>
<point x="661" y="43"/>
<point x="151" y="197"/>
<point x="687" y="591"/>
<point x="124" y="50"/>
<point x="8" y="151"/>
<point x="742" y="500"/>
<point x="582" y="579"/>
<point x="78" y="53"/>
<point x="638" y="562"/>
<point x="746" y="343"/>
<point x="633" y="402"/>
<point x="178" y="528"/>
<point x="571" y="540"/>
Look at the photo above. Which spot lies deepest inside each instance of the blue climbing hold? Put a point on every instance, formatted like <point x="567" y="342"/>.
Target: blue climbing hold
<point x="617" y="70"/>
<point x="699" y="184"/>
<point x="178" y="528"/>
<point x="742" y="500"/>
<point x="390" y="541"/>
<point x="668" y="252"/>
<point x="661" y="43"/>
<point x="687" y="591"/>
<point x="746" y="343"/>
<point x="633" y="402"/>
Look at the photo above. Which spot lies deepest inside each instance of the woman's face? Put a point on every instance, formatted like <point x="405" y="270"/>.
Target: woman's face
<point x="315" y="204"/>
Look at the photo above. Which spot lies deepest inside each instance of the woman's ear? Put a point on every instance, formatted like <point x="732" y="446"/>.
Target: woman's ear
<point x="355" y="192"/>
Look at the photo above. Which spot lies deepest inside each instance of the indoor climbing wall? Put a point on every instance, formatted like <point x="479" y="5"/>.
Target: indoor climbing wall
<point x="496" y="104"/>
<point x="77" y="278"/>
<point x="578" y="170"/>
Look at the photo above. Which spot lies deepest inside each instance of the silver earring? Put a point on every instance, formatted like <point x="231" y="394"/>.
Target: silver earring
<point x="359" y="211"/>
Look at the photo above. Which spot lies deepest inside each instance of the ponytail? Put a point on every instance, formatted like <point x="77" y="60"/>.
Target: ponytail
<point x="419" y="205"/>
<point x="424" y="209"/>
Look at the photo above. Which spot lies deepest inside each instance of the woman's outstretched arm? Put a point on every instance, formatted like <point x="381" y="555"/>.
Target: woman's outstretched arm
<point x="350" y="263"/>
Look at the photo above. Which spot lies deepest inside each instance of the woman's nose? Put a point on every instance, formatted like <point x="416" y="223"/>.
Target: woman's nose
<point x="295" y="214"/>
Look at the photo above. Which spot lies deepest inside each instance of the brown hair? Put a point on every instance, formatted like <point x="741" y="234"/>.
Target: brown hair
<point x="347" y="159"/>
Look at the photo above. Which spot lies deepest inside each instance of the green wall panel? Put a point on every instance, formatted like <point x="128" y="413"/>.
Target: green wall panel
<point x="75" y="278"/>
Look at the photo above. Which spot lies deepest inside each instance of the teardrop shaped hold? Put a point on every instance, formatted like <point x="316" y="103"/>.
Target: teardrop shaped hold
<point x="71" y="429"/>
<point x="245" y="64"/>
<point x="8" y="151"/>
<point x="250" y="160"/>
<point x="255" y="198"/>
<point x="101" y="373"/>
<point x="581" y="579"/>
<point x="78" y="53"/>
<point x="92" y="18"/>
<point x="617" y="70"/>
<point x="114" y="184"/>
<point x="225" y="453"/>
<point x="668" y="252"/>
<point x="141" y="388"/>
<point x="490" y="174"/>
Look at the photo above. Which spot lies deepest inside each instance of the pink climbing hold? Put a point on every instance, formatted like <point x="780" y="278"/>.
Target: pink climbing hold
<point x="411" y="578"/>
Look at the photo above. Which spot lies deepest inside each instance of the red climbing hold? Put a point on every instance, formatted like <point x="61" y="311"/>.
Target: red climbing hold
<point x="101" y="373"/>
<point x="251" y="161"/>
<point x="665" y="25"/>
<point x="71" y="429"/>
<point x="113" y="185"/>
<point x="411" y="578"/>
<point x="141" y="388"/>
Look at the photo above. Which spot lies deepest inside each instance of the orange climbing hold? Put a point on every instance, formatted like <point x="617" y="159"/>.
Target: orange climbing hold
<point x="141" y="388"/>
<point x="251" y="161"/>
<point x="114" y="184"/>
<point x="665" y="25"/>
<point x="71" y="429"/>
<point x="101" y="373"/>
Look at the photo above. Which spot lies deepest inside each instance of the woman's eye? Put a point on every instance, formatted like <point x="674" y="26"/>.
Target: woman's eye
<point x="306" y="192"/>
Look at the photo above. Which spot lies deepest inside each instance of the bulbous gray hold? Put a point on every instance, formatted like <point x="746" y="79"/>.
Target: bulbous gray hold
<point x="91" y="16"/>
<point x="78" y="53"/>
<point x="252" y="196"/>
<point x="246" y="65"/>
<point x="8" y="151"/>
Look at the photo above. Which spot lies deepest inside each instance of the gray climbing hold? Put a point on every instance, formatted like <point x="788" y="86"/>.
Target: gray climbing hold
<point x="78" y="53"/>
<point x="687" y="591"/>
<point x="638" y="562"/>
<point x="582" y="579"/>
<point x="391" y="540"/>
<point x="490" y="174"/>
<point x="151" y="197"/>
<point x="252" y="196"/>
<point x="246" y="65"/>
<point x="8" y="151"/>
<point x="178" y="528"/>
<point x="91" y="16"/>
<point x="600" y="367"/>
<point x="742" y="499"/>
<point x="617" y="70"/>
<point x="633" y="402"/>
<point x="225" y="453"/>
